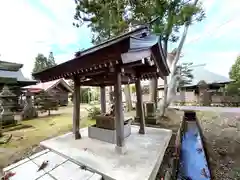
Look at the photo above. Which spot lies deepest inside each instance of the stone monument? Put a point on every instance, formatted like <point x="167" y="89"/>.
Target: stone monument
<point x="137" y="117"/>
<point x="204" y="95"/>
<point x="150" y="109"/>
<point x="29" y="111"/>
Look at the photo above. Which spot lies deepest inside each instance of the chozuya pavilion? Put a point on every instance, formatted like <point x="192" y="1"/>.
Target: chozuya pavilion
<point x="113" y="147"/>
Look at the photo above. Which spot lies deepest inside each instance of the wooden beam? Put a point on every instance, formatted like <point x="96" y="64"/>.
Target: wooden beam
<point x="140" y="106"/>
<point x="103" y="99"/>
<point x="132" y="64"/>
<point x="76" y="108"/>
<point x="119" y="117"/>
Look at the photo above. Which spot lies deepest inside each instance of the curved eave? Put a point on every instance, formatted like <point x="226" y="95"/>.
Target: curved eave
<point x="26" y="83"/>
<point x="160" y="59"/>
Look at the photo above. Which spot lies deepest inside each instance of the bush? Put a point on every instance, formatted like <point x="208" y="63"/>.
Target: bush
<point x="46" y="102"/>
<point x="93" y="111"/>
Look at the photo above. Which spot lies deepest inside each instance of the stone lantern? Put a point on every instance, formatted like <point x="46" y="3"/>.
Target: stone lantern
<point x="7" y="116"/>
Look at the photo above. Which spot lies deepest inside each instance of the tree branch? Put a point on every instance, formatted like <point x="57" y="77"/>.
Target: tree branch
<point x="180" y="46"/>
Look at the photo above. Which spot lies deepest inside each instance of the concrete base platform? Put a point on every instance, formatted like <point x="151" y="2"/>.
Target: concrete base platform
<point x="141" y="161"/>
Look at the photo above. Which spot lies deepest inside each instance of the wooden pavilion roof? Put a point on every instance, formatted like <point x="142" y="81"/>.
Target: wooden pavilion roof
<point x="138" y="53"/>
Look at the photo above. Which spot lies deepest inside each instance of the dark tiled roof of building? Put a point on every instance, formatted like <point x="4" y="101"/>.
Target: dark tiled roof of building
<point x="48" y="85"/>
<point x="201" y="73"/>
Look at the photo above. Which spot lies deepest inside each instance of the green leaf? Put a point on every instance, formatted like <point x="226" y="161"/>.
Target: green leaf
<point x="108" y="16"/>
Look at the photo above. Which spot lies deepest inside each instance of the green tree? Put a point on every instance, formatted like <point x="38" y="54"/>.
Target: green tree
<point x="40" y="64"/>
<point x="51" y="61"/>
<point x="108" y="18"/>
<point x="234" y="87"/>
<point x="184" y="70"/>
<point x="46" y="102"/>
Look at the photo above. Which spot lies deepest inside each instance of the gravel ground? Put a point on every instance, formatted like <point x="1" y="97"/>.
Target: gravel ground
<point x="222" y="138"/>
<point x="221" y="132"/>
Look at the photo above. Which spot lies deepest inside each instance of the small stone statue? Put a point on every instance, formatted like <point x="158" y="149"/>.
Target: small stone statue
<point x="29" y="111"/>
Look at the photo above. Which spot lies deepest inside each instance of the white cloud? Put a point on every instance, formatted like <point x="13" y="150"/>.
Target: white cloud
<point x="216" y="61"/>
<point x="220" y="26"/>
<point x="27" y="30"/>
<point x="221" y="62"/>
<point x="223" y="22"/>
<point x="21" y="29"/>
<point x="208" y="4"/>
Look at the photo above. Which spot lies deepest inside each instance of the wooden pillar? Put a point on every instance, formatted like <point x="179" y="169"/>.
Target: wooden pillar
<point x="76" y="108"/>
<point x="103" y="99"/>
<point x="119" y="117"/>
<point x="140" y="106"/>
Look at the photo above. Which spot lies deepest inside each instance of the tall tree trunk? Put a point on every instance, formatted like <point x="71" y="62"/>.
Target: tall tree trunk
<point x="1" y="134"/>
<point x="153" y="90"/>
<point x="163" y="104"/>
<point x="171" y="88"/>
<point x="128" y="97"/>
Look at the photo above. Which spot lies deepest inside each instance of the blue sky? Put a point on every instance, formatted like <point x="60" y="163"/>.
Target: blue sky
<point x="29" y="27"/>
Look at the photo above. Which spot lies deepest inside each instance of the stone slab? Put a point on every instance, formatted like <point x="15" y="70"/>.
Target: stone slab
<point x="58" y="168"/>
<point x="71" y="171"/>
<point x="26" y="171"/>
<point x="16" y="164"/>
<point x="96" y="177"/>
<point x="46" y="177"/>
<point x="39" y="154"/>
<point x="140" y="162"/>
<point x="53" y="159"/>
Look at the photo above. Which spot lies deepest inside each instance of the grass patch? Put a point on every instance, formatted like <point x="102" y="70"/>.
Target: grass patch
<point x="5" y="138"/>
<point x="39" y="129"/>
<point x="236" y="173"/>
<point x="16" y="127"/>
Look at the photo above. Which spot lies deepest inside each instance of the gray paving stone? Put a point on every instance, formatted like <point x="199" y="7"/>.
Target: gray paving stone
<point x="96" y="177"/>
<point x="16" y="164"/>
<point x="59" y="167"/>
<point x="26" y="171"/>
<point x="53" y="159"/>
<point x="70" y="171"/>
<point x="39" y="154"/>
<point x="45" y="177"/>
